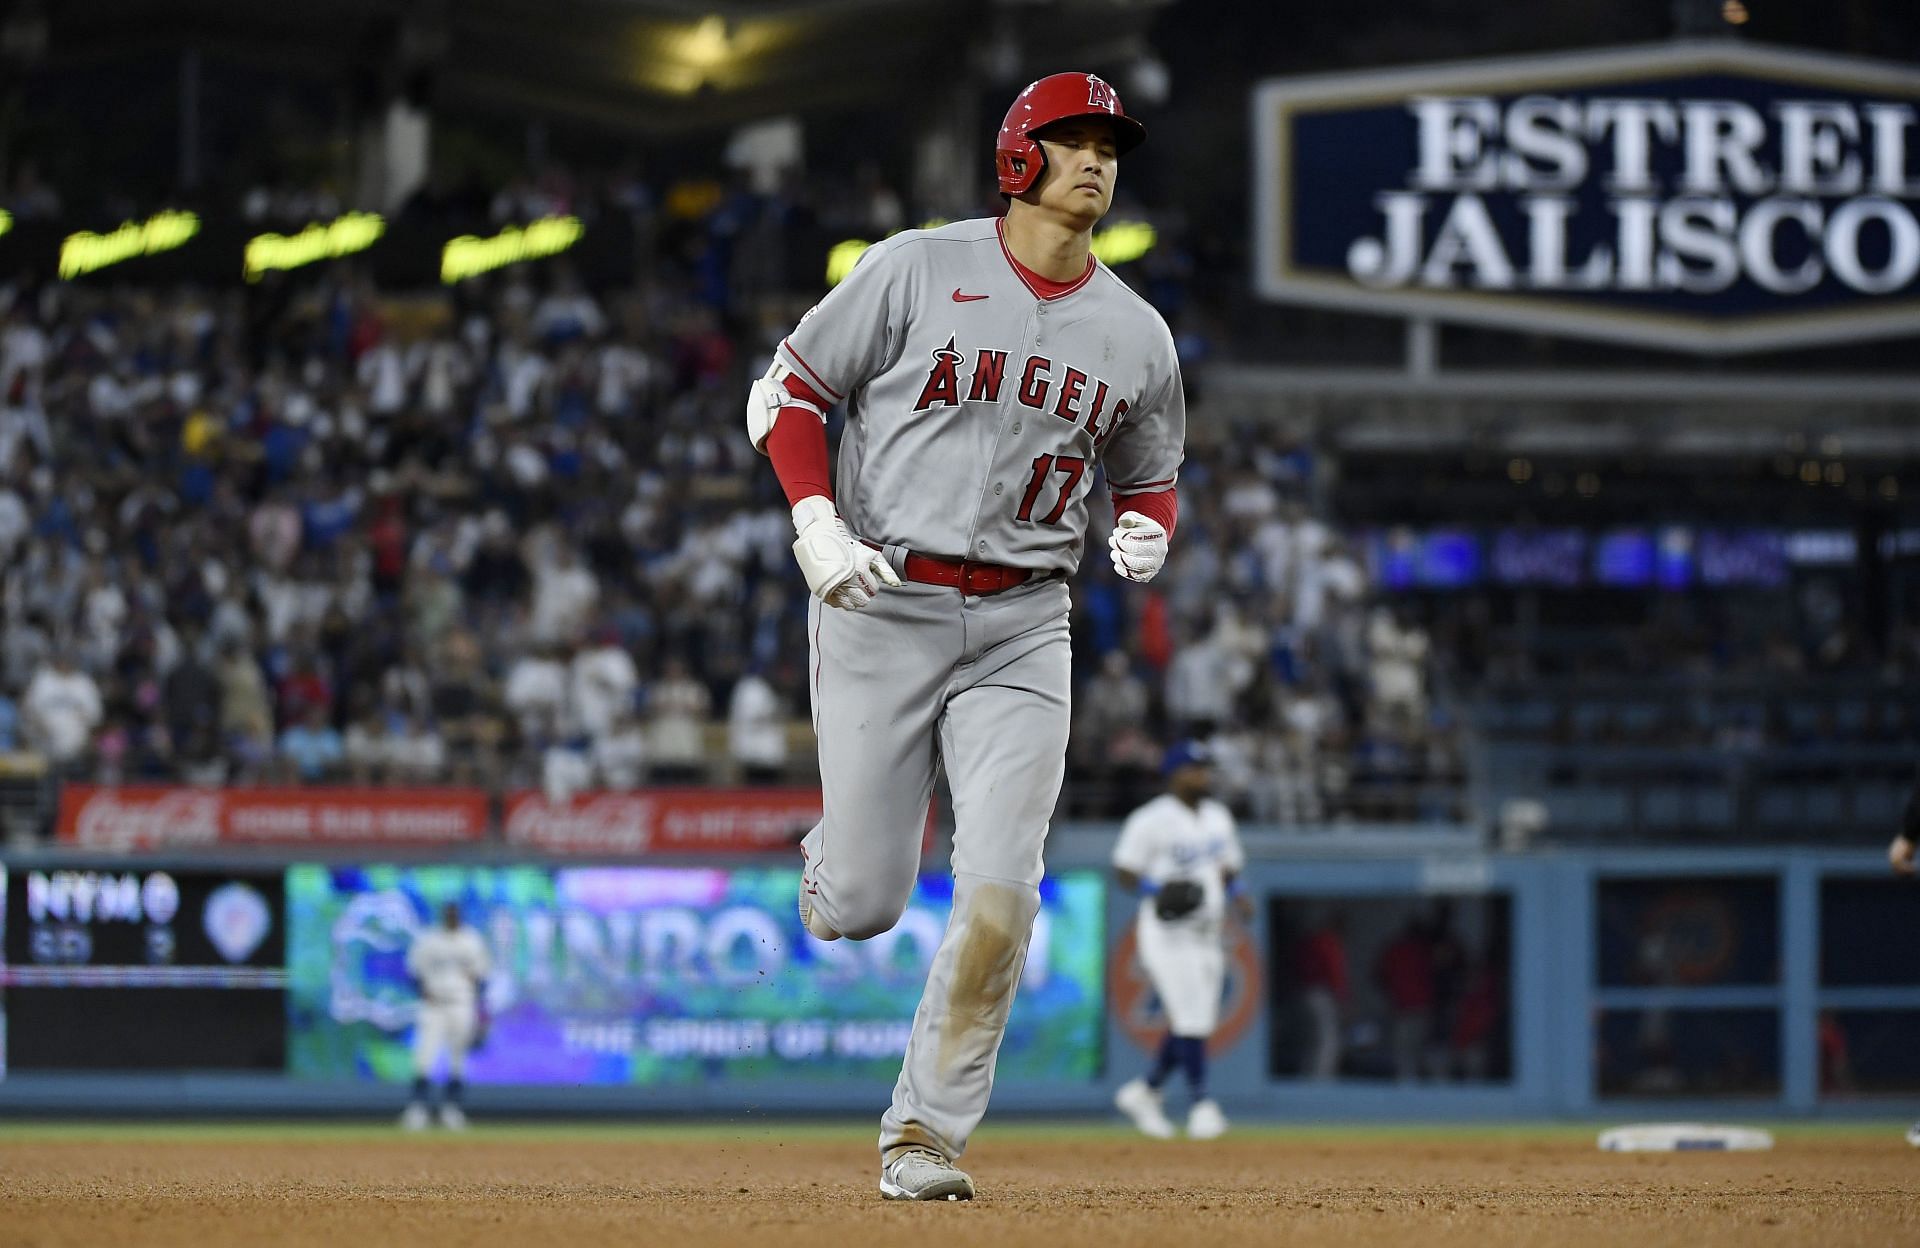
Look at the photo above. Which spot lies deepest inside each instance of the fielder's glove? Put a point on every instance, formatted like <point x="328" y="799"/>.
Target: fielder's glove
<point x="1139" y="546"/>
<point x="841" y="571"/>
<point x="1178" y="899"/>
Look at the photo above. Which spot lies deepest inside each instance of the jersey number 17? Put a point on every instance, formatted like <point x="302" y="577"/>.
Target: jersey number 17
<point x="1072" y="467"/>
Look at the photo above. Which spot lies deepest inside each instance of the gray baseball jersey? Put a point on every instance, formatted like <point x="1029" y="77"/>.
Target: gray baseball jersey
<point x="976" y="411"/>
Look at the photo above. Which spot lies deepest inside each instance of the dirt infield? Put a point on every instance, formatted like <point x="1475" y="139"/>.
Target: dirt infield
<point x="815" y="1186"/>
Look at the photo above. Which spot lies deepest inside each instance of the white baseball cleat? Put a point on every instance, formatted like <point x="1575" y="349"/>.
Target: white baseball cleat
<point x="1913" y="1135"/>
<point x="453" y="1118"/>
<point x="922" y="1174"/>
<point x="816" y="927"/>
<point x="415" y="1118"/>
<point x="1141" y="1102"/>
<point x="1205" y="1121"/>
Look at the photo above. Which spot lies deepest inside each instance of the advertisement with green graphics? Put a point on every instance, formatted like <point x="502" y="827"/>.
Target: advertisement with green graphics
<point x="653" y="976"/>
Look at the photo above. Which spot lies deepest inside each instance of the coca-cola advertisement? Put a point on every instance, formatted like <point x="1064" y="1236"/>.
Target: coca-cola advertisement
<point x="168" y="817"/>
<point x="662" y="821"/>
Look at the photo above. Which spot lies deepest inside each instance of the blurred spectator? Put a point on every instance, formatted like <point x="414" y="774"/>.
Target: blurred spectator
<point x="365" y="747"/>
<point x="63" y="708"/>
<point x="1201" y="683"/>
<point x="1399" y="656"/>
<point x="416" y="754"/>
<point x="312" y="748"/>
<point x="191" y="693"/>
<point x="246" y="714"/>
<point x="620" y="754"/>
<point x="1322" y="971"/>
<point x="536" y="693"/>
<point x="602" y="684"/>
<point x="467" y="706"/>
<point x="757" y="729"/>
<point x="678" y="708"/>
<point x="1404" y="973"/>
<point x="564" y="590"/>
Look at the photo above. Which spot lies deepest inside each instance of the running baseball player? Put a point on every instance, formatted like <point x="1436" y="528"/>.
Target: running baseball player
<point x="987" y="369"/>
<point x="450" y="964"/>
<point x="1179" y="852"/>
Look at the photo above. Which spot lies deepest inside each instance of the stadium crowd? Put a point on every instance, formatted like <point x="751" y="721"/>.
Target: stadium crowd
<point x="314" y="532"/>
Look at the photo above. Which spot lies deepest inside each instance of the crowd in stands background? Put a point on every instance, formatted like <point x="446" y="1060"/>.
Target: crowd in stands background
<point x="315" y="532"/>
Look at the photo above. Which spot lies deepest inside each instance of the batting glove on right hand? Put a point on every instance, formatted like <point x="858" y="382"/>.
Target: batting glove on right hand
<point x="1139" y="546"/>
<point x="840" y="570"/>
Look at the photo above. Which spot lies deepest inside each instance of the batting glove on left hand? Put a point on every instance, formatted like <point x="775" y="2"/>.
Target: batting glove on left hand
<point x="1139" y="546"/>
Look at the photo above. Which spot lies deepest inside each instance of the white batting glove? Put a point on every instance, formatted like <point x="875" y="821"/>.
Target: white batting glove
<point x="841" y="571"/>
<point x="1139" y="546"/>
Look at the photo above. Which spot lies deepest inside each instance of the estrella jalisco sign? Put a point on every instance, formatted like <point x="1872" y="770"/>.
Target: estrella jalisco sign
<point x="1704" y="196"/>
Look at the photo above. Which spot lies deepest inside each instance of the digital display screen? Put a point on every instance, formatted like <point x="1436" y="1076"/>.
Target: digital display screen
<point x="649" y="975"/>
<point x="1743" y="557"/>
<point x="1673" y="558"/>
<point x="121" y="969"/>
<point x="1555" y="557"/>
<point x="1439" y="559"/>
<point x="1623" y="558"/>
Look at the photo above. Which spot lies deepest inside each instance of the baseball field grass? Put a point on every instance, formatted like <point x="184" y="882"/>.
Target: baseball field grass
<point x="1044" y="1184"/>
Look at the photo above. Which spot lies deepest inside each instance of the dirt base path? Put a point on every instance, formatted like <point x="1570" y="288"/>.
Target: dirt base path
<point x="813" y="1186"/>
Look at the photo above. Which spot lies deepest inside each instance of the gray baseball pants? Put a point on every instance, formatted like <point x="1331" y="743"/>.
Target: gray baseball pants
<point x="925" y="676"/>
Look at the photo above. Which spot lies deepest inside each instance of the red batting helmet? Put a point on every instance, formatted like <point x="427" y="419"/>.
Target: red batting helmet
<point x="1017" y="158"/>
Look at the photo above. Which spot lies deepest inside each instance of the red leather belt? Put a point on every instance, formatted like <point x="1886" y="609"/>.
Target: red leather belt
<point x="966" y="575"/>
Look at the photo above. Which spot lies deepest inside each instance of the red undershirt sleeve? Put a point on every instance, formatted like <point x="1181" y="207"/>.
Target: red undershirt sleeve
<point x="797" y="445"/>
<point x="1161" y="505"/>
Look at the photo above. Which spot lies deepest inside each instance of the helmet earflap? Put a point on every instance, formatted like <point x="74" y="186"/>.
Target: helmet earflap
<point x="1020" y="165"/>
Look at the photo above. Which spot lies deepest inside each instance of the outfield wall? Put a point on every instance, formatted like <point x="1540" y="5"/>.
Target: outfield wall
<point x="1638" y="983"/>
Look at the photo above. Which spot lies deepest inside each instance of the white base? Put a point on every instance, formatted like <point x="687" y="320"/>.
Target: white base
<point x="1684" y="1137"/>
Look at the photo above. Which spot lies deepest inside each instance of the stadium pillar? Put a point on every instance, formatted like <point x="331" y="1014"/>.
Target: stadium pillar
<point x="189" y="172"/>
<point x="395" y="151"/>
<point x="396" y="84"/>
<point x="949" y="169"/>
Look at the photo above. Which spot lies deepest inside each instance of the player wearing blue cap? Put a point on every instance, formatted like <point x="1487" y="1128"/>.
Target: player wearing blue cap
<point x="1180" y="854"/>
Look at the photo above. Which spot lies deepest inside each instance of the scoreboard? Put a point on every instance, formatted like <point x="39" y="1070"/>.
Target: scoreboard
<point x="193" y="962"/>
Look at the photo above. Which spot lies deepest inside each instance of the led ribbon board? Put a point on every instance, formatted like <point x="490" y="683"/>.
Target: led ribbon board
<point x="470" y="256"/>
<point x="1699" y="196"/>
<point x="343" y="236"/>
<point x="87" y="252"/>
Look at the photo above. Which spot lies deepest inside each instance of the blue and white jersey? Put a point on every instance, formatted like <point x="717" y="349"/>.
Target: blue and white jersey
<point x="1168" y="840"/>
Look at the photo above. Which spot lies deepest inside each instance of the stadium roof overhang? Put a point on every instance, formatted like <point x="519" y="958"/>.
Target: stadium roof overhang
<point x="658" y="66"/>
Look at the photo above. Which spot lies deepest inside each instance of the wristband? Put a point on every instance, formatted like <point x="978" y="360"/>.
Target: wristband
<point x="1236" y="887"/>
<point x="1148" y="888"/>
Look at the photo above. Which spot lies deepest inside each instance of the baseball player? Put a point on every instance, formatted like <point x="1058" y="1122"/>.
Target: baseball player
<point x="1180" y="854"/>
<point x="450" y="965"/>
<point x="987" y="368"/>
<point x="1900" y="855"/>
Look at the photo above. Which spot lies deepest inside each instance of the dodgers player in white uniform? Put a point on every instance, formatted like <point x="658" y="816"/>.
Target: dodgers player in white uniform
<point x="1180" y="853"/>
<point x="450" y="964"/>
<point x="987" y="369"/>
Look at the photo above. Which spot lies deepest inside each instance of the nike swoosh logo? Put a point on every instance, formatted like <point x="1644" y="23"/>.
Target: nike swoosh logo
<point x="960" y="298"/>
